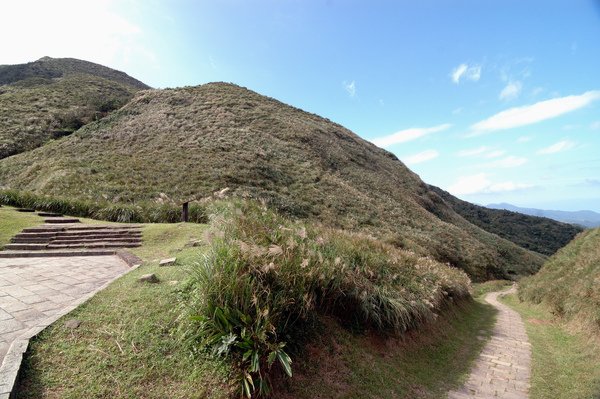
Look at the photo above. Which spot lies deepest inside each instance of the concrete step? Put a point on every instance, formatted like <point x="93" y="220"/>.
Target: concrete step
<point x="60" y="220"/>
<point x="95" y="245"/>
<point x="95" y="236"/>
<point x="105" y="226"/>
<point x="58" y="227"/>
<point x="26" y="246"/>
<point x="80" y="233"/>
<point x="30" y="240"/>
<point x="54" y="238"/>
<point x="57" y="253"/>
<point x="91" y="240"/>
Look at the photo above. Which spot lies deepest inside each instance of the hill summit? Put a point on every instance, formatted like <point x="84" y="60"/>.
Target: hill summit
<point x="190" y="142"/>
<point x="52" y="97"/>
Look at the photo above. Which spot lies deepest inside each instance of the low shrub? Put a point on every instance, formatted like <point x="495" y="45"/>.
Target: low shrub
<point x="264" y="276"/>
<point x="142" y="212"/>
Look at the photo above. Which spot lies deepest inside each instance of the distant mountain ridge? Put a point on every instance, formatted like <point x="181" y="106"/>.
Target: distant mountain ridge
<point x="539" y="234"/>
<point x="587" y="219"/>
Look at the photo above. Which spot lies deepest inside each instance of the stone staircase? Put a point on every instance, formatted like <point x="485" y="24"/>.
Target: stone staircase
<point x="65" y="236"/>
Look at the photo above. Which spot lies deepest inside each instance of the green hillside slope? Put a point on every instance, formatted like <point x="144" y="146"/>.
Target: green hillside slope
<point x="539" y="234"/>
<point x="50" y="98"/>
<point x="191" y="142"/>
<point x="569" y="282"/>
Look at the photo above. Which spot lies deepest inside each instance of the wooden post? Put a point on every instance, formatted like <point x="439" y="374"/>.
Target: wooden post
<point x="184" y="213"/>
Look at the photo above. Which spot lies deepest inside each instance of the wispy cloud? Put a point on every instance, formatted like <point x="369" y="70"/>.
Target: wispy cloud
<point x="507" y="162"/>
<point x="481" y="152"/>
<point x="524" y="139"/>
<point x="212" y="62"/>
<point x="595" y="125"/>
<point x="494" y="154"/>
<point x="408" y="135"/>
<point x="464" y="71"/>
<point x="511" y="91"/>
<point x="350" y="88"/>
<point x="537" y="91"/>
<point x="557" y="147"/>
<point x="481" y="184"/>
<point x="530" y="114"/>
<point x="472" y="151"/>
<point x="427" y="155"/>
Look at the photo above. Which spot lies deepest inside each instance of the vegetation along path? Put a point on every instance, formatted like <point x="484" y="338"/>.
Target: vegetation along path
<point x="503" y="368"/>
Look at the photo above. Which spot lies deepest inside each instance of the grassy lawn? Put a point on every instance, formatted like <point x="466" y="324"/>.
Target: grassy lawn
<point x="564" y="365"/>
<point x="128" y="344"/>
<point x="12" y="222"/>
<point x="423" y="365"/>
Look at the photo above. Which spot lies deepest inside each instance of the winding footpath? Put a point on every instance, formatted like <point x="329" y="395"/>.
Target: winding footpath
<point x="503" y="367"/>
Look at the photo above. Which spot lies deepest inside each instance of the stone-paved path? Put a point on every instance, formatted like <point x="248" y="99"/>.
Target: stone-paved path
<point x="35" y="289"/>
<point x="503" y="367"/>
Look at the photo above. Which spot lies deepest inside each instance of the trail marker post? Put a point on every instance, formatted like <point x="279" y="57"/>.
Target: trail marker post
<point x="185" y="215"/>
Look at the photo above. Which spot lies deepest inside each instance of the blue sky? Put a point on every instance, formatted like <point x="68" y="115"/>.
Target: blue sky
<point x="495" y="101"/>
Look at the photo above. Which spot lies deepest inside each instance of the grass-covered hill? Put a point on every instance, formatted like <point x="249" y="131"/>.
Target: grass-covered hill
<point x="52" y="97"/>
<point x="191" y="142"/>
<point x="569" y="282"/>
<point x="539" y="234"/>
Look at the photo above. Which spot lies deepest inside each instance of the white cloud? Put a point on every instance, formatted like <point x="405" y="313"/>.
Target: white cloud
<point x="212" y="62"/>
<point x="97" y="31"/>
<point x="530" y="114"/>
<point x="511" y="91"/>
<point x="421" y="157"/>
<point x="350" y="88"/>
<point x="473" y="151"/>
<point x="465" y="71"/>
<point x="494" y="154"/>
<point x="537" y="91"/>
<point x="524" y="139"/>
<point x="408" y="135"/>
<point x="507" y="162"/>
<point x="557" y="147"/>
<point x="458" y="72"/>
<point x="481" y="152"/>
<point x="481" y="184"/>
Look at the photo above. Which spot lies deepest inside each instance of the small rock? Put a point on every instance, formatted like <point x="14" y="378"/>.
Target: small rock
<point x="222" y="193"/>
<point x="149" y="278"/>
<point x="173" y="282"/>
<point x="72" y="324"/>
<point x="193" y="243"/>
<point x="167" y="262"/>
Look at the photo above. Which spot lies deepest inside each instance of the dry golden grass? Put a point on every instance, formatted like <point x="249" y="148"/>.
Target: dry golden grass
<point x="569" y="283"/>
<point x="50" y="98"/>
<point x="193" y="141"/>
